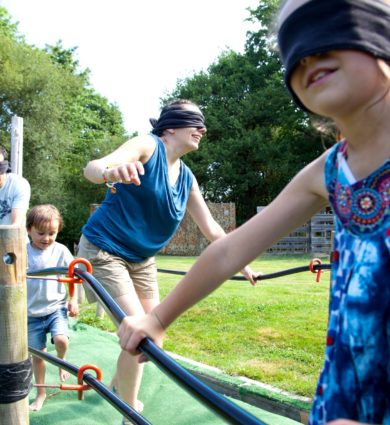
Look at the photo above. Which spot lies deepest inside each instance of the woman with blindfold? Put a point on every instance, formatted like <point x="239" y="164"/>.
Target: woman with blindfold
<point x="336" y="56"/>
<point x="150" y="189"/>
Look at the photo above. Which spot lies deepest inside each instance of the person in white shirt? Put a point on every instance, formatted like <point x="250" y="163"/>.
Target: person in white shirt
<point x="14" y="193"/>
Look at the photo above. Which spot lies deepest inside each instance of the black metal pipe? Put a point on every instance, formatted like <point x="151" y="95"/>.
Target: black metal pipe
<point x="265" y="276"/>
<point x="97" y="385"/>
<point x="228" y="410"/>
<point x="293" y="270"/>
<point x="219" y="404"/>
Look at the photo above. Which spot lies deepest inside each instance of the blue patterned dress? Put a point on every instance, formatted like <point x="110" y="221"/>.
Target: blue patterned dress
<point x="355" y="382"/>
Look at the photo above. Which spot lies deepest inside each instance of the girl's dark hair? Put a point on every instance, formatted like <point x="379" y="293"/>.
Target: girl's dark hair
<point x="41" y="215"/>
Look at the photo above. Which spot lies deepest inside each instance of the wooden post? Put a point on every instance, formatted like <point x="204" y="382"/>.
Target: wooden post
<point x="13" y="313"/>
<point x="17" y="145"/>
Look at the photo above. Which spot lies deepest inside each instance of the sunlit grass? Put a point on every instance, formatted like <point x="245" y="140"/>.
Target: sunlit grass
<point x="273" y="332"/>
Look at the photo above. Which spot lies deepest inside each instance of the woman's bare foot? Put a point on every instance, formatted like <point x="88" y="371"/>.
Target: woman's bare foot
<point x="64" y="375"/>
<point x="139" y="406"/>
<point x="38" y="402"/>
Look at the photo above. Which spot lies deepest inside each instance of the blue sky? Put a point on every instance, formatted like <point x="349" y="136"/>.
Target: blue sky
<point x="136" y="50"/>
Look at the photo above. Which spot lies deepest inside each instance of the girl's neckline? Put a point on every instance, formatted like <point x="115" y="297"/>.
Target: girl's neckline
<point x="343" y="151"/>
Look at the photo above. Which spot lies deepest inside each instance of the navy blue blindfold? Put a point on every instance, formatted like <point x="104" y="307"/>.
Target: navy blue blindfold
<point x="323" y="25"/>
<point x="177" y="118"/>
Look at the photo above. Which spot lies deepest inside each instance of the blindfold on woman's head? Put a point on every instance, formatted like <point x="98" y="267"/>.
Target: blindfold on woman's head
<point x="177" y="118"/>
<point x="4" y="166"/>
<point x="322" y="25"/>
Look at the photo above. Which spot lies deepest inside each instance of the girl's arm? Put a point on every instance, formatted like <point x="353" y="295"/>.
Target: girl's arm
<point x="302" y="197"/>
<point x="122" y="165"/>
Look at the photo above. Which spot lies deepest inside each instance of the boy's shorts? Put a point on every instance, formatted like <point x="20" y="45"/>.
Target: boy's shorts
<point x="38" y="327"/>
<point x="118" y="276"/>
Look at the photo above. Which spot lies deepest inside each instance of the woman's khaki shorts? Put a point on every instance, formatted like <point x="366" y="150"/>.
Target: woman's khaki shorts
<point x="117" y="275"/>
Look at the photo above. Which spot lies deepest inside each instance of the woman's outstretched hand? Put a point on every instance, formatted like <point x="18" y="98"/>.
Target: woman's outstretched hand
<point x="125" y="173"/>
<point x="134" y="329"/>
<point x="250" y="274"/>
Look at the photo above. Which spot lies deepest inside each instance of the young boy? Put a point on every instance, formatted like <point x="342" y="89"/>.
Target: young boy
<point x="47" y="308"/>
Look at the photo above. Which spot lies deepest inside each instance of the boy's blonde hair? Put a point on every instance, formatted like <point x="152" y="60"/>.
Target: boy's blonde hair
<point x="40" y="215"/>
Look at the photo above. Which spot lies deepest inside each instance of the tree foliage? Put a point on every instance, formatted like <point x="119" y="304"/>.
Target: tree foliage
<point x="66" y="123"/>
<point x="257" y="139"/>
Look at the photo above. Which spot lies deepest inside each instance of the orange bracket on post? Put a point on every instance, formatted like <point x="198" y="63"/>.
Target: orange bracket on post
<point x="313" y="262"/>
<point x="80" y="387"/>
<point x="70" y="279"/>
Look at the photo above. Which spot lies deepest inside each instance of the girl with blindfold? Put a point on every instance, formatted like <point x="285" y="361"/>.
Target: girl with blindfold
<point x="336" y="55"/>
<point x="150" y="189"/>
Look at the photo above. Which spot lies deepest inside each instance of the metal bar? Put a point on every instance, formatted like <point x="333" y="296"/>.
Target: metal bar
<point x="207" y="396"/>
<point x="264" y="276"/>
<point x="97" y="385"/>
<point x="221" y="405"/>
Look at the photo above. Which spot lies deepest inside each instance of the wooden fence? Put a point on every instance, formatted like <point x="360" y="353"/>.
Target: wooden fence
<point x="188" y="239"/>
<point x="314" y="237"/>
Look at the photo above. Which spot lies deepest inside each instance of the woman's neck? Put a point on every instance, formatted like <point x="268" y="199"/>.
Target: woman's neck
<point x="172" y="151"/>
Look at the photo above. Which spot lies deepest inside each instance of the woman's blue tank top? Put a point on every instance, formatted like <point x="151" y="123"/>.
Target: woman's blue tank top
<point x="137" y="221"/>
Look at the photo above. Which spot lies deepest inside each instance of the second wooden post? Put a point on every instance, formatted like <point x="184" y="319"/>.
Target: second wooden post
<point x="15" y="366"/>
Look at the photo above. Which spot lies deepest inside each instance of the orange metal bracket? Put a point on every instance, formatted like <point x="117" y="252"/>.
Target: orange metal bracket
<point x="313" y="262"/>
<point x="70" y="279"/>
<point x="80" y="387"/>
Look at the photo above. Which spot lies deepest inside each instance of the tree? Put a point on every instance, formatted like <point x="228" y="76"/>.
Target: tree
<point x="66" y="123"/>
<point x="257" y="139"/>
<point x="7" y="27"/>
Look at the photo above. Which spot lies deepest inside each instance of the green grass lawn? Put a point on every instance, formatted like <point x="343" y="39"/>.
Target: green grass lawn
<point x="273" y="333"/>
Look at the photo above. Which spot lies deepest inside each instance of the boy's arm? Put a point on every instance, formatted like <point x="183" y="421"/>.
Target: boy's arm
<point x="73" y="306"/>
